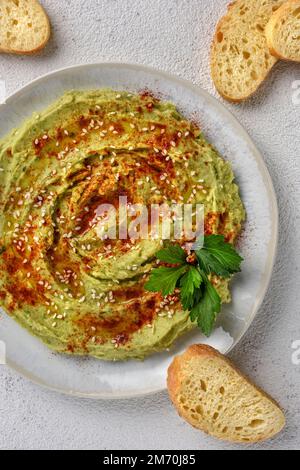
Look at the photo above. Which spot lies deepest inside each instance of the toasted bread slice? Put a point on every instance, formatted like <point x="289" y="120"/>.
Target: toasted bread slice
<point x="240" y="57"/>
<point x="283" y="32"/>
<point x="24" y="26"/>
<point x="212" y="395"/>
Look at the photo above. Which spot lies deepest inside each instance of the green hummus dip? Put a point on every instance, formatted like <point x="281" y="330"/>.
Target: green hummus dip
<point x="78" y="293"/>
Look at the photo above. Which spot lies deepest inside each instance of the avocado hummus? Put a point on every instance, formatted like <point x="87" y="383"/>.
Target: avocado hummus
<point x="79" y="293"/>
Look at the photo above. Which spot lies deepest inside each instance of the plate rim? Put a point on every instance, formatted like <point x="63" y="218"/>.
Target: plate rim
<point x="273" y="244"/>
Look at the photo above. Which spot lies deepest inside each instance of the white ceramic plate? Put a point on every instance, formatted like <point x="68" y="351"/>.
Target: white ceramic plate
<point x="96" y="379"/>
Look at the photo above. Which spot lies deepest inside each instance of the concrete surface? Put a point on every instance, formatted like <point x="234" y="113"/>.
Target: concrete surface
<point x="173" y="35"/>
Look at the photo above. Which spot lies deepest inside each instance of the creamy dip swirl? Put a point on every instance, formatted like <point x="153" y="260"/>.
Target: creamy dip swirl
<point x="78" y="293"/>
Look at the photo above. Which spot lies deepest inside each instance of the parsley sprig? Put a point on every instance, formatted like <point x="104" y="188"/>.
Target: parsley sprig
<point x="191" y="275"/>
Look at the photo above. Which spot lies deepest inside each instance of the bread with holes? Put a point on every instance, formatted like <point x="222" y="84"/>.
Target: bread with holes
<point x="213" y="396"/>
<point x="283" y="32"/>
<point x="240" y="57"/>
<point x="24" y="26"/>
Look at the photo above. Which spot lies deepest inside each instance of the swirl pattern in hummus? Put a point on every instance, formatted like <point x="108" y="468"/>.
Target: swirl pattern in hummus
<point x="78" y="293"/>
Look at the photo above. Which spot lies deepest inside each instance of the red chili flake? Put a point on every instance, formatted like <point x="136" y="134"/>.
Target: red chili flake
<point x="146" y="94"/>
<point x="84" y="121"/>
<point x="39" y="144"/>
<point x="149" y="106"/>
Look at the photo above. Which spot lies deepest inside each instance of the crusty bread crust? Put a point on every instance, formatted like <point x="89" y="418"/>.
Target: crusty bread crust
<point x="177" y="373"/>
<point x="39" y="10"/>
<point x="281" y="13"/>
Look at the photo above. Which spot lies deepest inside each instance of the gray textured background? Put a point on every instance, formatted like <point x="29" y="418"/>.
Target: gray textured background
<point x="173" y="35"/>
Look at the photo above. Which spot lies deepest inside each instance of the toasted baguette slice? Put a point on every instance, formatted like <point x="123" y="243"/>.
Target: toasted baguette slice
<point x="210" y="394"/>
<point x="240" y="57"/>
<point x="283" y="31"/>
<point x="24" y="26"/>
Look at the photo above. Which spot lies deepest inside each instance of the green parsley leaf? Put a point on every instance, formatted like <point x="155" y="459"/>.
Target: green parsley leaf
<point x="206" y="311"/>
<point x="173" y="254"/>
<point x="218" y="257"/>
<point x="197" y="293"/>
<point x="189" y="283"/>
<point x="165" y="280"/>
